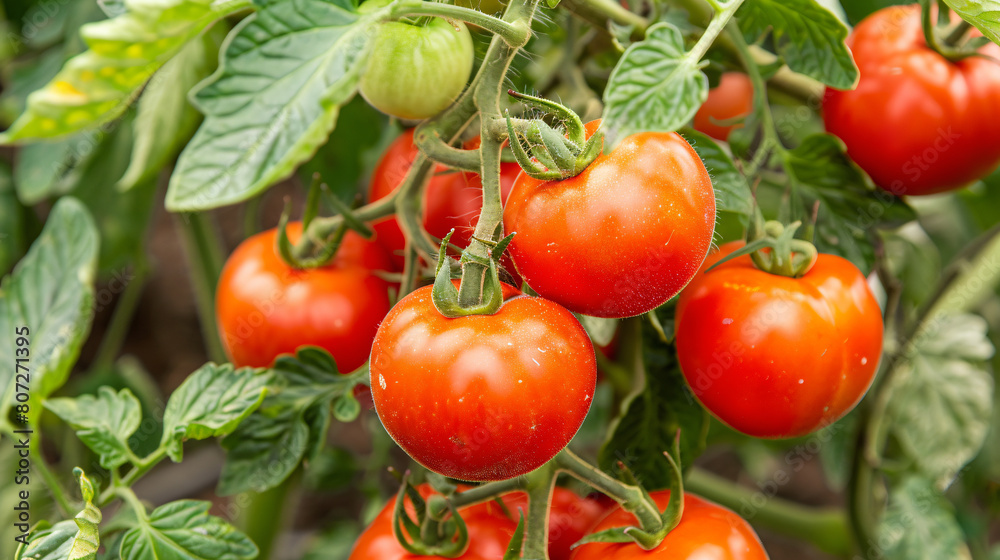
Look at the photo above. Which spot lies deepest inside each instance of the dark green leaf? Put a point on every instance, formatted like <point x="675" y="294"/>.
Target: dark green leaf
<point x="984" y="14"/>
<point x="183" y="530"/>
<point x="732" y="193"/>
<point x="211" y="403"/>
<point x="13" y="222"/>
<point x="850" y="207"/>
<point x="290" y="425"/>
<point x="73" y="539"/>
<point x="919" y="525"/>
<point x="49" y="169"/>
<point x="121" y="217"/>
<point x="807" y="36"/>
<point x="98" y="85"/>
<point x="273" y="101"/>
<point x="263" y="451"/>
<point x="165" y="120"/>
<point x="656" y="86"/>
<point x="51" y="292"/>
<point x="942" y="396"/>
<point x="650" y="421"/>
<point x="104" y="423"/>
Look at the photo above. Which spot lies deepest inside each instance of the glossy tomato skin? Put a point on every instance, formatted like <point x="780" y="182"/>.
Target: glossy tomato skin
<point x="777" y="357"/>
<point x="484" y="397"/>
<point x="622" y="237"/>
<point x="414" y="71"/>
<point x="265" y="308"/>
<point x="490" y="530"/>
<point x="706" y="531"/>
<point x="732" y="98"/>
<point x="917" y="123"/>
<point x="452" y="200"/>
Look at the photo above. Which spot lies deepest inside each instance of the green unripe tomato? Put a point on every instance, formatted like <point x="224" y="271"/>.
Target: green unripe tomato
<point x="415" y="72"/>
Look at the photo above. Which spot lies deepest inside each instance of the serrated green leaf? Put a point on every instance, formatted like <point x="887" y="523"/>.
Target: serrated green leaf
<point x="263" y="451"/>
<point x="99" y="84"/>
<point x="984" y="14"/>
<point x="732" y="193"/>
<point x="918" y="525"/>
<point x="656" y="86"/>
<point x="183" y="530"/>
<point x="273" y="101"/>
<point x="290" y="425"/>
<point x="650" y="421"/>
<point x="211" y="403"/>
<point x="346" y="408"/>
<point x="850" y="206"/>
<point x="73" y="539"/>
<point x="165" y="119"/>
<point x="807" y="36"/>
<point x="104" y="423"/>
<point x="51" y="292"/>
<point x="941" y="406"/>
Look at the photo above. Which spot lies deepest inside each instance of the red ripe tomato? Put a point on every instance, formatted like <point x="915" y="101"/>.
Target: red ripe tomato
<point x="490" y="530"/>
<point x="622" y="237"/>
<point x="265" y="308"/>
<point x="452" y="200"/>
<point x="731" y="99"/>
<point x="484" y="397"/>
<point x="774" y="356"/>
<point x="706" y="531"/>
<point x="917" y="122"/>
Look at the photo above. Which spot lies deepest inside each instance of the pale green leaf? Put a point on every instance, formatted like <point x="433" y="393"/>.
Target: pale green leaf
<point x="984" y="14"/>
<point x="919" y="525"/>
<point x="211" y="402"/>
<point x="601" y="330"/>
<point x="165" y="119"/>
<point x="272" y="103"/>
<point x="183" y="530"/>
<point x="104" y="423"/>
<point x="656" y="86"/>
<point x="807" y="36"/>
<point x="51" y="293"/>
<point x="941" y="406"/>
<point x="99" y="84"/>
<point x="73" y="539"/>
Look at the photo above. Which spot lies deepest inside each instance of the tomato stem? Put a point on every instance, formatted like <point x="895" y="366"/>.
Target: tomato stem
<point x="203" y="248"/>
<point x="632" y="498"/>
<point x="826" y="528"/>
<point x="515" y="35"/>
<point x="539" y="485"/>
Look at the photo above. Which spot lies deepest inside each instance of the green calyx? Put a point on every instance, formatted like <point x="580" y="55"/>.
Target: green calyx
<point x="551" y="154"/>
<point x="774" y="249"/>
<point x="443" y="534"/>
<point x="446" y="296"/>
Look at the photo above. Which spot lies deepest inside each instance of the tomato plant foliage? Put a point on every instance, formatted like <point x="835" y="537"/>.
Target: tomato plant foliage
<point x="371" y="342"/>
